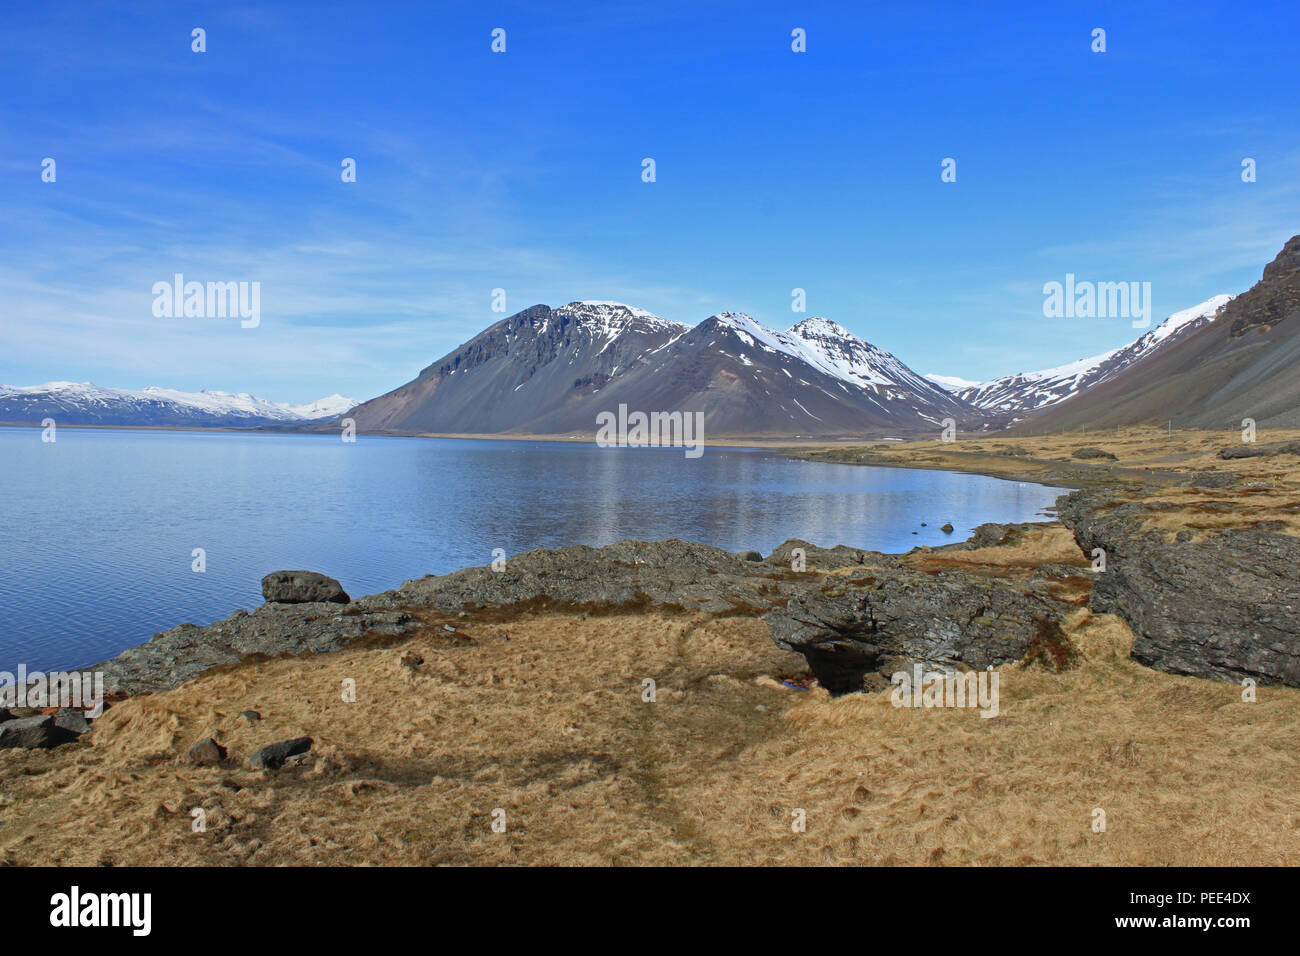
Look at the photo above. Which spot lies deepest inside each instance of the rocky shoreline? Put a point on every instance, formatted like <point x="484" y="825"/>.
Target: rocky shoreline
<point x="1218" y="608"/>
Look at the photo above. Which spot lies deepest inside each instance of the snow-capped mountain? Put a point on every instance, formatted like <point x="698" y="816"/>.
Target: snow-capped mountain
<point x="83" y="403"/>
<point x="331" y="406"/>
<point x="525" y="373"/>
<point x="551" y="371"/>
<point x="1025" y="392"/>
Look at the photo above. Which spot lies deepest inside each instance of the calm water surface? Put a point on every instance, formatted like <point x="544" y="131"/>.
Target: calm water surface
<point x="98" y="528"/>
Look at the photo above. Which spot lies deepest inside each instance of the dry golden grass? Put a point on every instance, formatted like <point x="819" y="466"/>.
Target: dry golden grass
<point x="550" y="726"/>
<point x="1136" y="447"/>
<point x="1046" y="543"/>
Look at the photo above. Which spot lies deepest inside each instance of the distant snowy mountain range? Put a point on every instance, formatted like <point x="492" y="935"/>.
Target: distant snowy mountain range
<point x="1024" y="392"/>
<point x="83" y="403"/>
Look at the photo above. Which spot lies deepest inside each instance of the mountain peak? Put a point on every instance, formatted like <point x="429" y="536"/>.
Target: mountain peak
<point x="816" y="325"/>
<point x="738" y="320"/>
<point x="613" y="315"/>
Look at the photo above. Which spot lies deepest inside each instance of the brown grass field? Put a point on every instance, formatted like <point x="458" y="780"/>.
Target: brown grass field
<point x="549" y="726"/>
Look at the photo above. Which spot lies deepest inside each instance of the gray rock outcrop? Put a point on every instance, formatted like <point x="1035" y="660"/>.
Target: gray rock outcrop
<point x="174" y="656"/>
<point x="1222" y="606"/>
<point x="867" y="628"/>
<point x="626" y="575"/>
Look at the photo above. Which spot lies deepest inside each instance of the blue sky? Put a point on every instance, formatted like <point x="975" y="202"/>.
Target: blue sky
<point x="522" y="171"/>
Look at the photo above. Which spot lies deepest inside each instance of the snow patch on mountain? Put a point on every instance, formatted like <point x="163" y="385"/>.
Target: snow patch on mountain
<point x="951" y="382"/>
<point x="331" y="406"/>
<point x="602" y="314"/>
<point x="830" y="348"/>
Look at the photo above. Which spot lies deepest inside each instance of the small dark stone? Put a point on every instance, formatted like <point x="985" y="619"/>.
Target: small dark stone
<point x="947" y="528"/>
<point x="274" y="756"/>
<point x="206" y="753"/>
<point x="750" y="556"/>
<point x="29" y="732"/>
<point x="302" y="587"/>
<point x="251" y="716"/>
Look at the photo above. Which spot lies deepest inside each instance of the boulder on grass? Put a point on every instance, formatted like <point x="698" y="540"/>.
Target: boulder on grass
<point x="1091" y="452"/>
<point x="206" y="753"/>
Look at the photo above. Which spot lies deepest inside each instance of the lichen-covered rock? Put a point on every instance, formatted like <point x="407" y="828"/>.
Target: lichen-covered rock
<point x="629" y="574"/>
<point x="1220" y="605"/>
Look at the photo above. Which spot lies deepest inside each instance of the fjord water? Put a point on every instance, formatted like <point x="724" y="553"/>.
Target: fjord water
<point x="99" y="528"/>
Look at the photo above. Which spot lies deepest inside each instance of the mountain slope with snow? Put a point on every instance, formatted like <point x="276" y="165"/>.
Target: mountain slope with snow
<point x="84" y="403"/>
<point x="552" y="371"/>
<point x="1025" y="392"/>
<point x="1244" y="364"/>
<point x="815" y="379"/>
